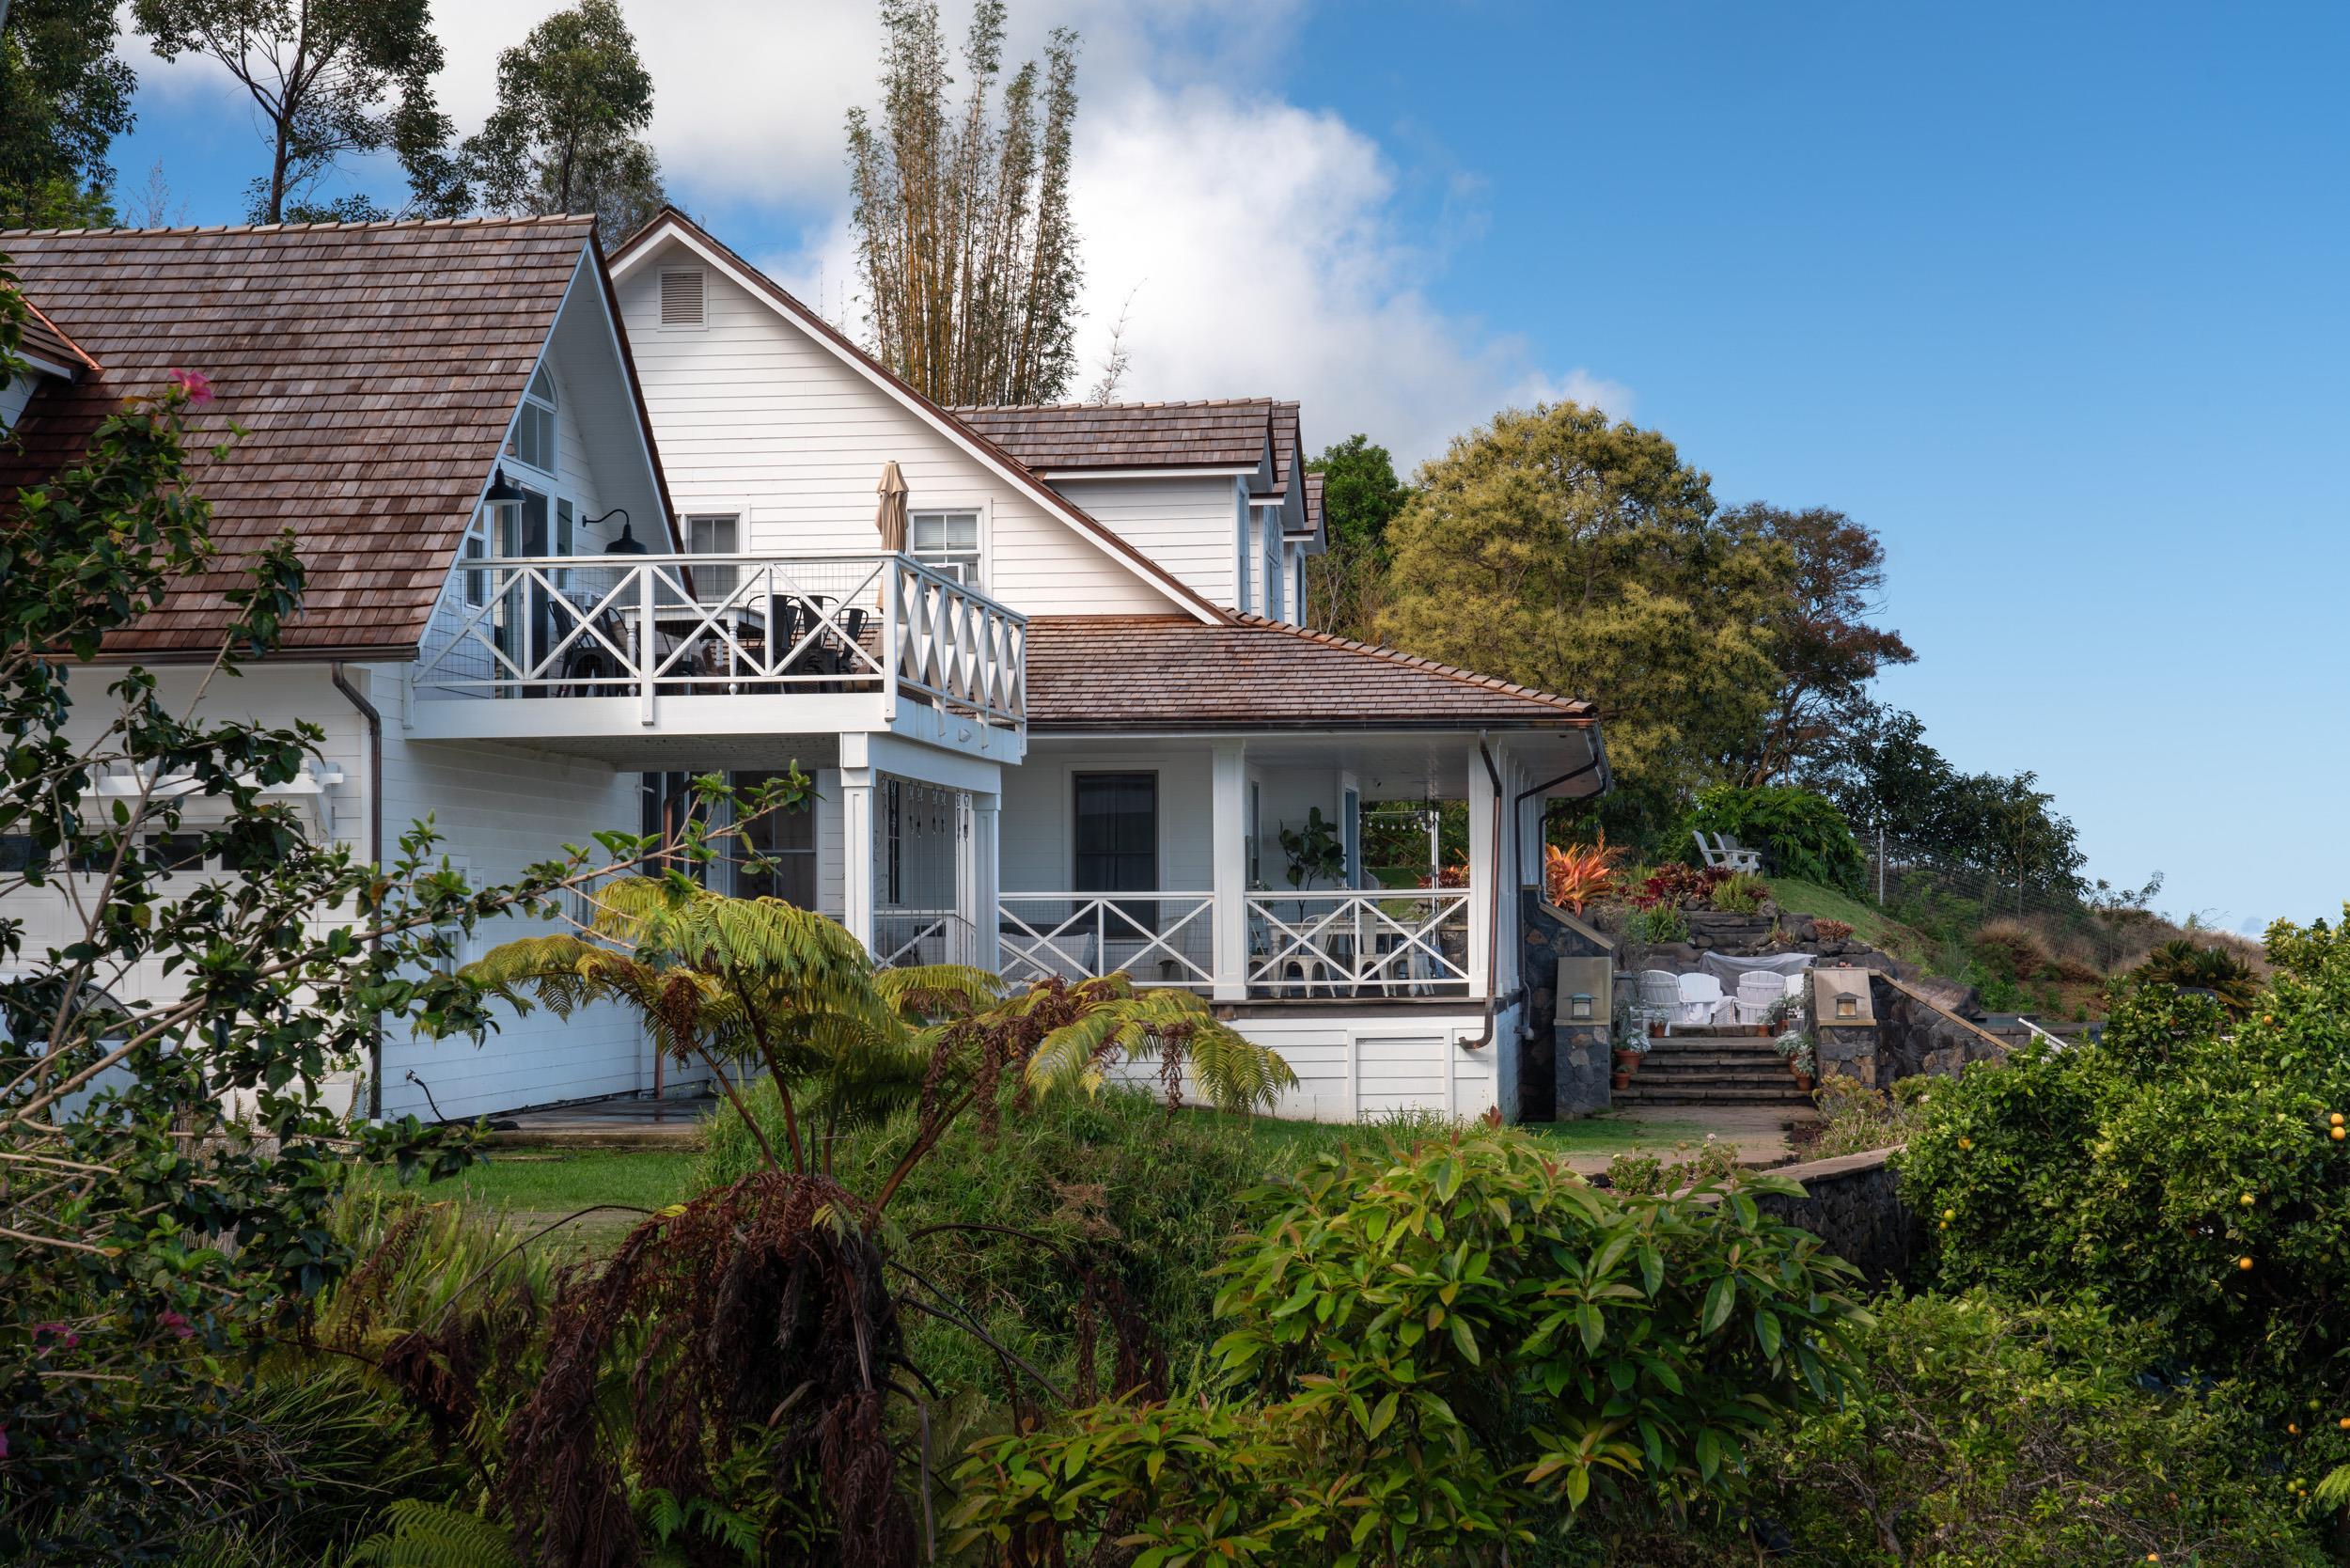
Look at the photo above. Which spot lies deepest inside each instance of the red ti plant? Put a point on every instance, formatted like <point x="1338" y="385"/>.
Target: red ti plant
<point x="1574" y="874"/>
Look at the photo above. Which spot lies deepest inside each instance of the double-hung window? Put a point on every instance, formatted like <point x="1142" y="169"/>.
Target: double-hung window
<point x="946" y="541"/>
<point x="714" y="535"/>
<point x="533" y="427"/>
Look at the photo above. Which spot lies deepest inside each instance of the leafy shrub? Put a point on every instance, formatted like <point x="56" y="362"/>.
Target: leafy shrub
<point x="1987" y="1433"/>
<point x="1800" y="834"/>
<point x="1742" y="894"/>
<point x="1438" y="1346"/>
<point x="2184" y="964"/>
<point x="1114" y="1175"/>
<point x="1643" y="1174"/>
<point x="1663" y="923"/>
<point x="1673" y="885"/>
<point x="2011" y="950"/>
<point x="1574" y="874"/>
<point x="2182" y="1171"/>
<point x="1831" y="931"/>
<point x="1854" y="1119"/>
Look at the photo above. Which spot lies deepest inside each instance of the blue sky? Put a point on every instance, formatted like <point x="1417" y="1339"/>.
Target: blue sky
<point x="2051" y="296"/>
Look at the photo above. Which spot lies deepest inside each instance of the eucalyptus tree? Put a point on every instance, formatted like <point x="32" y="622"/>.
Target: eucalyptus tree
<point x="331" y="79"/>
<point x="964" y="243"/>
<point x="574" y="101"/>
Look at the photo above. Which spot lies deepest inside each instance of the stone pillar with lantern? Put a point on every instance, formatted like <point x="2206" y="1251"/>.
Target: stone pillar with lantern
<point x="1844" y="1023"/>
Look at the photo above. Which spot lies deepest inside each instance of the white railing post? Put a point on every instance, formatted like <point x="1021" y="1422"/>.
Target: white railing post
<point x="856" y="854"/>
<point x="893" y="586"/>
<point x="648" y="643"/>
<point x="1228" y="824"/>
<point x="1485" y="872"/>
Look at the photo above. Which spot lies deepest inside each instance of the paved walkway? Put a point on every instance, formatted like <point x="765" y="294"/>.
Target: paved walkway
<point x="619" y="1123"/>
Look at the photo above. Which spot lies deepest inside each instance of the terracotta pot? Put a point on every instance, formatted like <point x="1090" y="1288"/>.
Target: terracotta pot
<point x="1627" y="1062"/>
<point x="1621" y="1080"/>
<point x="1803" y="1079"/>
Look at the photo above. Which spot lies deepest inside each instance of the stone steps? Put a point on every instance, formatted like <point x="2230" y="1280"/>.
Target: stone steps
<point x="1785" y="1093"/>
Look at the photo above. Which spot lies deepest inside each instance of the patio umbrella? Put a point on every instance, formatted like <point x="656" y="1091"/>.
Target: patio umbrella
<point x="891" y="518"/>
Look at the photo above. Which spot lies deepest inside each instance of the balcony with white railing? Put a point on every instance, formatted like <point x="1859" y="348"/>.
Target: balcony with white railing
<point x="1340" y="945"/>
<point x="727" y="645"/>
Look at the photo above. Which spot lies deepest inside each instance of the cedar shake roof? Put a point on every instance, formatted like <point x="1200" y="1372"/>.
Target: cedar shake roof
<point x="1127" y="672"/>
<point x="1285" y="452"/>
<point x="1313" y="502"/>
<point x="43" y="340"/>
<point x="374" y="369"/>
<point x="1227" y="433"/>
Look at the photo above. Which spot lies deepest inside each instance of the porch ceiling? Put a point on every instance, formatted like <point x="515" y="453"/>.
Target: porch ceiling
<point x="1412" y="765"/>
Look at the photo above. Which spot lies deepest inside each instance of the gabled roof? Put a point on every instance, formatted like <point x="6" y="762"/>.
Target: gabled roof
<point x="1140" y="672"/>
<point x="1061" y="438"/>
<point x="374" y="369"/>
<point x="50" y="349"/>
<point x="1313" y="504"/>
<point x="1285" y="453"/>
<point x="671" y="224"/>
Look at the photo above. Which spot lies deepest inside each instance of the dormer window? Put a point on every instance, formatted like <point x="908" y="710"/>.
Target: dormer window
<point x="533" y="427"/>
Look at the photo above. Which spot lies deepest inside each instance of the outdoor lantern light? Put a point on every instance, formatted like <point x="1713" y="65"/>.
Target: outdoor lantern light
<point x="1579" y="1007"/>
<point x="1847" y="1005"/>
<point x="502" y="491"/>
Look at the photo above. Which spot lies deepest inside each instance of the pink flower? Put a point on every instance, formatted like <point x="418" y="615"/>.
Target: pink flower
<point x="58" y="1332"/>
<point x="178" y="1324"/>
<point x="3" y="1442"/>
<point x="196" y="383"/>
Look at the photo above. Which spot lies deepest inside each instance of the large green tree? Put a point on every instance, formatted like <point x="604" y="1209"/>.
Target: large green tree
<point x="573" y="99"/>
<point x="1824" y="643"/>
<point x="1582" y="556"/>
<point x="332" y="79"/>
<point x="64" y="97"/>
<point x="1361" y="497"/>
<point x="964" y="243"/>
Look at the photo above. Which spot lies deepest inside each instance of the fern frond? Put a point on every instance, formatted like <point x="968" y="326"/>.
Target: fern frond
<point x="434" y="1535"/>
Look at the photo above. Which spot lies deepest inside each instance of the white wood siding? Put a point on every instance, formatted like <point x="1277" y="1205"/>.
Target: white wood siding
<point x="1183" y="524"/>
<point x="1036" y="837"/>
<point x="754" y="415"/>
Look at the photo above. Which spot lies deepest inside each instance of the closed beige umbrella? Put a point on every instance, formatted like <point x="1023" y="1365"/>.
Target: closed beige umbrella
<point x="891" y="518"/>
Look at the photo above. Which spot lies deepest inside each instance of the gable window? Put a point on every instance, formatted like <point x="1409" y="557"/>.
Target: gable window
<point x="946" y="541"/>
<point x="681" y="298"/>
<point x="533" y="426"/>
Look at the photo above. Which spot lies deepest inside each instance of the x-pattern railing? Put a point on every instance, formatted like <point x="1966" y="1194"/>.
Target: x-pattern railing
<point x="707" y="624"/>
<point x="1347" y="942"/>
<point x="1077" y="945"/>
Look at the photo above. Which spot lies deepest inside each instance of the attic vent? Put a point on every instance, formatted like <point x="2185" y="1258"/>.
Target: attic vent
<point x="682" y="297"/>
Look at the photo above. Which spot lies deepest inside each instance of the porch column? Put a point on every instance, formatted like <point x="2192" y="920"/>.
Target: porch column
<point x="1228" y="822"/>
<point x="1485" y="872"/>
<point x="982" y="881"/>
<point x="856" y="854"/>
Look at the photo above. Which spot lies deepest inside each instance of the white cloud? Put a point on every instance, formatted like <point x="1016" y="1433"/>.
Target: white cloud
<point x="1261" y="240"/>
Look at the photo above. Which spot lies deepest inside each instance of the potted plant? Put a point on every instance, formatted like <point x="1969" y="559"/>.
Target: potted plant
<point x="1802" y="1061"/>
<point x="1314" y="851"/>
<point x="1631" y="1045"/>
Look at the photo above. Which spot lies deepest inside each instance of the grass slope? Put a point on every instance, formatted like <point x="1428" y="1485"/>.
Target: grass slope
<point x="1867" y="923"/>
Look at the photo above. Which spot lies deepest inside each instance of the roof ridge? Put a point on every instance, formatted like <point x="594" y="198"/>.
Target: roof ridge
<point x="1104" y="408"/>
<point x="477" y="220"/>
<point x="1410" y="661"/>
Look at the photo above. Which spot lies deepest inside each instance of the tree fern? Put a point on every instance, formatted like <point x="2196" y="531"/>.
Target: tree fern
<point x="434" y="1535"/>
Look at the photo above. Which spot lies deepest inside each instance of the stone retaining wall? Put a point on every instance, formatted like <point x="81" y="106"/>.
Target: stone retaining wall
<point x="1915" y="1036"/>
<point x="1854" y="1205"/>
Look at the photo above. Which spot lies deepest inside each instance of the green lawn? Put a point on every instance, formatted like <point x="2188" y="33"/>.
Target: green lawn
<point x="1870" y="924"/>
<point x="536" y="1185"/>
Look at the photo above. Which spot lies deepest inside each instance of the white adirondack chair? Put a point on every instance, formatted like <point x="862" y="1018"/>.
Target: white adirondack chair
<point x="1659" y="1000"/>
<point x="1728" y="853"/>
<point x="1759" y="991"/>
<point x="1702" y="1004"/>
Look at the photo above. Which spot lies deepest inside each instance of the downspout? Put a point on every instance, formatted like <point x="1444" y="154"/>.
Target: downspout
<point x="375" y="857"/>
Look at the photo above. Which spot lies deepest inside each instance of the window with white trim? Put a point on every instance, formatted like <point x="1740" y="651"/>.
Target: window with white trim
<point x="534" y="425"/>
<point x="713" y="534"/>
<point x="949" y="541"/>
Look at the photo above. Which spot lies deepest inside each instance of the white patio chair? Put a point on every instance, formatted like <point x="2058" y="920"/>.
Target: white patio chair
<point x="1727" y="854"/>
<point x="1702" y="1004"/>
<point x="1759" y="991"/>
<point x="1798" y="996"/>
<point x="1659" y="1000"/>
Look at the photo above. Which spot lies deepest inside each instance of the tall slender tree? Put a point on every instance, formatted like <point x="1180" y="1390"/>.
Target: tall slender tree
<point x="64" y="97"/>
<point x="572" y="98"/>
<point x="332" y="79"/>
<point x="963" y="234"/>
<point x="1361" y="497"/>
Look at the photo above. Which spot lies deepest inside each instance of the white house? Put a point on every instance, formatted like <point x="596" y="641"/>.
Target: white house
<point x="578" y="532"/>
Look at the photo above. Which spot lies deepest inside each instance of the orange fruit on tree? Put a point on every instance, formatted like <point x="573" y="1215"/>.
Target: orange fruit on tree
<point x="2247" y="1264"/>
